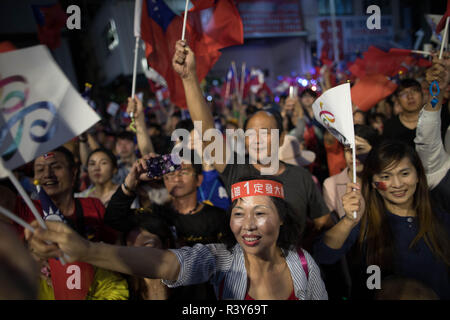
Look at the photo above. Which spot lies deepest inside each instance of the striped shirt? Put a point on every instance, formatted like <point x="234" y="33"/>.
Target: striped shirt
<point x="214" y="263"/>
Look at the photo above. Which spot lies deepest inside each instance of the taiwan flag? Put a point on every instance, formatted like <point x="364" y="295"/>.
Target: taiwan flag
<point x="69" y="281"/>
<point x="50" y="20"/>
<point x="209" y="28"/>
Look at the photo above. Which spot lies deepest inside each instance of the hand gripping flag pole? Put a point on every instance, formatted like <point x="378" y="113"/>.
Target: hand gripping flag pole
<point x="434" y="86"/>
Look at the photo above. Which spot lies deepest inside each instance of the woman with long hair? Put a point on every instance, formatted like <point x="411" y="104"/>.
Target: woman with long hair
<point x="102" y="166"/>
<point x="259" y="259"/>
<point x="399" y="230"/>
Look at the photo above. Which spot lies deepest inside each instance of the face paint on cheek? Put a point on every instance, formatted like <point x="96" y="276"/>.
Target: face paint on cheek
<point x="381" y="186"/>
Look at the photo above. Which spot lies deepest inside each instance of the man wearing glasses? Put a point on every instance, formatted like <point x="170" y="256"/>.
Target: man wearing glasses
<point x="192" y="222"/>
<point x="403" y="126"/>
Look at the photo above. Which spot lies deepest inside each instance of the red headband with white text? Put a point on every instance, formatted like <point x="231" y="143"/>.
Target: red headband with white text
<point x="257" y="188"/>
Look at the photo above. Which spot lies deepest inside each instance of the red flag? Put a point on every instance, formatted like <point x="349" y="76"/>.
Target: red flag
<point x="376" y="61"/>
<point x="71" y="281"/>
<point x="50" y="20"/>
<point x="218" y="22"/>
<point x="161" y="28"/>
<point x="441" y="23"/>
<point x="371" y="89"/>
<point x="6" y="46"/>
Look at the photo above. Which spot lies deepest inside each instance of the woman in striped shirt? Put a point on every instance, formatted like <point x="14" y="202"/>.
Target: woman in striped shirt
<point x="259" y="259"/>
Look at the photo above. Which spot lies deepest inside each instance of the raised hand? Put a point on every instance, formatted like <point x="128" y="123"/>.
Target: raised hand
<point x="183" y="61"/>
<point x="439" y="70"/>
<point x="135" y="106"/>
<point x="138" y="172"/>
<point x="351" y="201"/>
<point x="64" y="241"/>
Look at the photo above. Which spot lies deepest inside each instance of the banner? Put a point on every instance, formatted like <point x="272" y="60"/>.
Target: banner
<point x="271" y="18"/>
<point x="39" y="108"/>
<point x="352" y="35"/>
<point x="333" y="109"/>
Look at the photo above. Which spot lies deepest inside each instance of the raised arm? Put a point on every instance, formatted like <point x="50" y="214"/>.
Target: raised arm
<point x="351" y="201"/>
<point x="143" y="138"/>
<point x="338" y="240"/>
<point x="428" y="140"/>
<point x="86" y="144"/>
<point x="139" y="261"/>
<point x="184" y="64"/>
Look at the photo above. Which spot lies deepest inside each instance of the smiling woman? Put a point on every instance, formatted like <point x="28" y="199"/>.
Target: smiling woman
<point x="262" y="259"/>
<point x="399" y="230"/>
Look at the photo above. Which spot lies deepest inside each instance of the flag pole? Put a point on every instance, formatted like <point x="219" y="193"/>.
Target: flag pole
<point x="354" y="170"/>
<point x="133" y="86"/>
<point x="16" y="219"/>
<point x="24" y="195"/>
<point x="334" y="32"/>
<point x="241" y="91"/>
<point x="184" y="20"/>
<point x="435" y="84"/>
<point x="236" y="82"/>
<point x="137" y="35"/>
<point x="227" y="88"/>
<point x="444" y="38"/>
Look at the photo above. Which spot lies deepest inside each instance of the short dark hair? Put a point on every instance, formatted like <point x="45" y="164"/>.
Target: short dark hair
<point x="185" y="124"/>
<point x="108" y="152"/>
<point x="367" y="133"/>
<point x="155" y="224"/>
<point x="407" y="83"/>
<point x="193" y="158"/>
<point x="125" y="135"/>
<point x="271" y="111"/>
<point x="68" y="155"/>
<point x="309" y="92"/>
<point x="373" y="117"/>
<point x="290" y="231"/>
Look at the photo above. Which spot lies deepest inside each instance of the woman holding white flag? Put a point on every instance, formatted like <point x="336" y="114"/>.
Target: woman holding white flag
<point x="399" y="231"/>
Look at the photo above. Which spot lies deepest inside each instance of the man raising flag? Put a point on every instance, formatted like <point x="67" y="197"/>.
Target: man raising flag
<point x="160" y="28"/>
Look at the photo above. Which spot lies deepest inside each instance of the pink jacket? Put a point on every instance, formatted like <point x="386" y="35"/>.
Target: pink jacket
<point x="334" y="189"/>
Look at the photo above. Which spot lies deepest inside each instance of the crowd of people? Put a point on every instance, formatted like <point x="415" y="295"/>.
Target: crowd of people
<point x="224" y="230"/>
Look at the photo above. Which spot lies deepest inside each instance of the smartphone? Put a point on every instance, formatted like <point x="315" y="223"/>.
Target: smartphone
<point x="161" y="165"/>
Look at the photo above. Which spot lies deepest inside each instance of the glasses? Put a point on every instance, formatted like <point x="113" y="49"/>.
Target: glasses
<point x="180" y="173"/>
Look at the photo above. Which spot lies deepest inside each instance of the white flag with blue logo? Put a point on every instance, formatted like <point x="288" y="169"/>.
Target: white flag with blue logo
<point x="40" y="110"/>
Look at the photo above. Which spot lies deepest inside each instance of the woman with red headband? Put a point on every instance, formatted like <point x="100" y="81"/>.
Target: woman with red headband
<point x="259" y="259"/>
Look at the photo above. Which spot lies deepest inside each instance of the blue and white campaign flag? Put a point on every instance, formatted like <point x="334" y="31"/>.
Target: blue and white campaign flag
<point x="333" y="109"/>
<point x="40" y="110"/>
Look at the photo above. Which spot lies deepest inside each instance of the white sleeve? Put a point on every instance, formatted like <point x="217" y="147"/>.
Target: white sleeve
<point x="430" y="148"/>
<point x="198" y="264"/>
<point x="316" y="288"/>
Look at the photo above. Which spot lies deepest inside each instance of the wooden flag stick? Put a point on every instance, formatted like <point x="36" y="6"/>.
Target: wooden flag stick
<point x="184" y="20"/>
